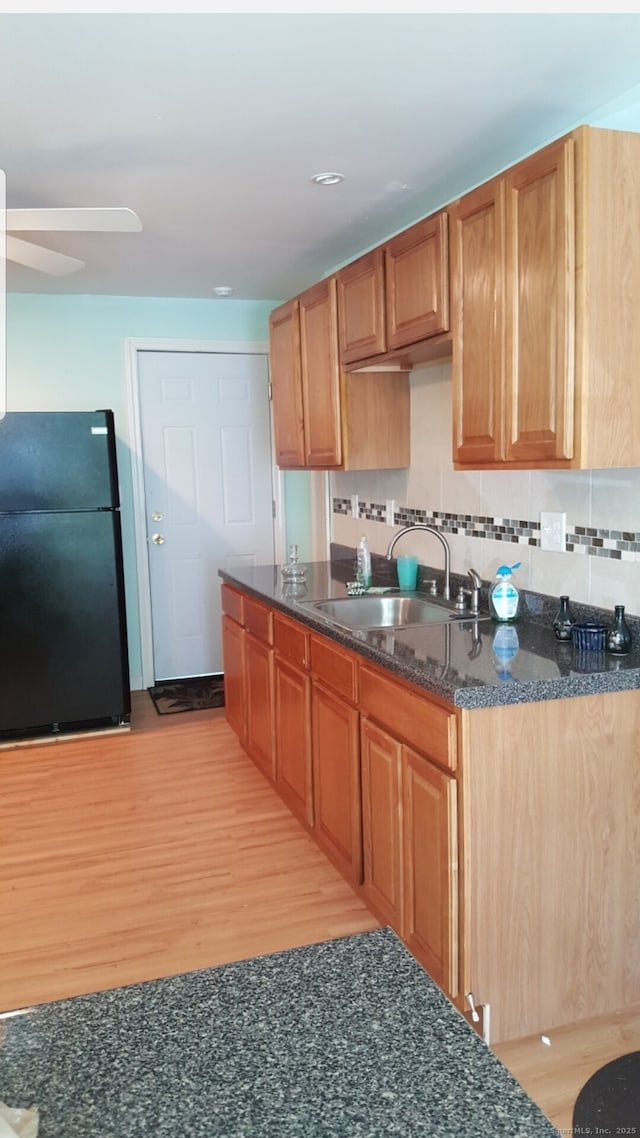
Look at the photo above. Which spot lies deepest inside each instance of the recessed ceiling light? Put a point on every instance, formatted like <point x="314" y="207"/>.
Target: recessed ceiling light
<point x="223" y="290"/>
<point x="330" y="178"/>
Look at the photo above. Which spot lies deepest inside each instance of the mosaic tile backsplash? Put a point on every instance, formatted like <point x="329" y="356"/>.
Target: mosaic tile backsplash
<point x="620" y="545"/>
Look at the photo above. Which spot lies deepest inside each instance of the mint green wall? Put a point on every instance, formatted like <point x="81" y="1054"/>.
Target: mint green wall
<point x="297" y="491"/>
<point x="66" y="353"/>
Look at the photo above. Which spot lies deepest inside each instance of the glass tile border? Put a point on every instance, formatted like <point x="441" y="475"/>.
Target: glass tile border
<point x="618" y="545"/>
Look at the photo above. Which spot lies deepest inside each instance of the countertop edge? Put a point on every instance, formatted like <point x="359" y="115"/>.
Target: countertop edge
<point x="467" y="697"/>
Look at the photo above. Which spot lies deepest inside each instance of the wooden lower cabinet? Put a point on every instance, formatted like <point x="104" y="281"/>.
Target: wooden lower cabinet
<point x="505" y="859"/>
<point x="259" y="667"/>
<point x="430" y="837"/>
<point x="382" y="823"/>
<point x="336" y="780"/>
<point x="234" y="676"/>
<point x="411" y="850"/>
<point x="293" y="738"/>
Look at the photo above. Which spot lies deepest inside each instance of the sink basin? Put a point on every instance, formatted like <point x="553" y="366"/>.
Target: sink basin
<point x="385" y="611"/>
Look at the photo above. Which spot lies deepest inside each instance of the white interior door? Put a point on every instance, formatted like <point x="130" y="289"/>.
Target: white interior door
<point x="206" y="448"/>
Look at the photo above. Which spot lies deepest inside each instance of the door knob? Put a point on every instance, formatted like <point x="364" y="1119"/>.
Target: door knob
<point x="158" y="539"/>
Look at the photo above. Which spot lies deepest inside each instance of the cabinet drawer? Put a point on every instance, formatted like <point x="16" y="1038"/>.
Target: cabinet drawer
<point x="410" y="716"/>
<point x="232" y="603"/>
<point x="335" y="667"/>
<point x="259" y="620"/>
<point x="291" y="641"/>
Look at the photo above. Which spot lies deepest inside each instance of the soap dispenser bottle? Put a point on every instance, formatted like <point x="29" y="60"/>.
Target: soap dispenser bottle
<point x="363" y="562"/>
<point x="504" y="598"/>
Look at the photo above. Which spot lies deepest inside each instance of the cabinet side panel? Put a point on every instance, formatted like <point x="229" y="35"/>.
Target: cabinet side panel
<point x="552" y="848"/>
<point x="376" y="426"/>
<point x="608" y="283"/>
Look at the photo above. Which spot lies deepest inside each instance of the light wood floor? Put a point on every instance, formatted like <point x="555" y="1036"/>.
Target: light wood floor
<point x="142" y="854"/>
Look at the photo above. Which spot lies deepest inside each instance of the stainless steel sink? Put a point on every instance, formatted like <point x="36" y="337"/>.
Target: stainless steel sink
<point x="384" y="611"/>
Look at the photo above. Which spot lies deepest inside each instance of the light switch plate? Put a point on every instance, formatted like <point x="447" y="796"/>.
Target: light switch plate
<point x="390" y="511"/>
<point x="553" y="531"/>
<point x="355" y="506"/>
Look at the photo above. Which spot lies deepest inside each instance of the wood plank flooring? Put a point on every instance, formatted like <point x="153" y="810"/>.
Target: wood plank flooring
<point x="142" y="854"/>
<point x="149" y="853"/>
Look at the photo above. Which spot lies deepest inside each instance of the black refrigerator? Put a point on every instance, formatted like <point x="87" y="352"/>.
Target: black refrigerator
<point x="63" y="641"/>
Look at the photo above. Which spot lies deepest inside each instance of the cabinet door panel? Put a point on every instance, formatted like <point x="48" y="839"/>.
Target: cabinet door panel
<point x="232" y="603"/>
<point x="336" y="667"/>
<point x="320" y="375"/>
<point x="259" y="678"/>
<point x="293" y="739"/>
<point x="286" y="385"/>
<point x="410" y="716"/>
<point x="336" y="781"/>
<point x="417" y="282"/>
<point x="291" y="641"/>
<point x="541" y="320"/>
<point x="382" y="823"/>
<point x="258" y="619"/>
<point x="431" y="869"/>
<point x="234" y="671"/>
<point x="478" y="281"/>
<point x="361" y="319"/>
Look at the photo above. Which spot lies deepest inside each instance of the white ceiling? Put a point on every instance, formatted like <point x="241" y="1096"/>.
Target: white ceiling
<point x="210" y="126"/>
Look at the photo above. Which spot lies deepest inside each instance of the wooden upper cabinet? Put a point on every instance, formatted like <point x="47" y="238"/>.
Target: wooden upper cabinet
<point x="286" y="385"/>
<point x="361" y="311"/>
<point x="417" y="282"/>
<point x="540" y="323"/>
<point x="397" y="295"/>
<point x="320" y="375"/>
<point x="513" y="268"/>
<point x="545" y="291"/>
<point x="305" y="380"/>
<point x="478" y="283"/>
<point x="324" y="418"/>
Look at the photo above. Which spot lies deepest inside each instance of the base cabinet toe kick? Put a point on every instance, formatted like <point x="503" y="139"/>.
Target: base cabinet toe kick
<point x="501" y="844"/>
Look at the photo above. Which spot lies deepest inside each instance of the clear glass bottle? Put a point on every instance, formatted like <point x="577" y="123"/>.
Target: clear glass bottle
<point x="563" y="621"/>
<point x="619" y="634"/>
<point x="292" y="570"/>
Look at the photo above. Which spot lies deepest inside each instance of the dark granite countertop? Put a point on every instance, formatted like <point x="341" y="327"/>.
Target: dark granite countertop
<point x="345" y="1039"/>
<point x="470" y="664"/>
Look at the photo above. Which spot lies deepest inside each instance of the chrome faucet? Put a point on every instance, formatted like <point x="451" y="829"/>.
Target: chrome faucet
<point x="443" y="542"/>
<point x="474" y="592"/>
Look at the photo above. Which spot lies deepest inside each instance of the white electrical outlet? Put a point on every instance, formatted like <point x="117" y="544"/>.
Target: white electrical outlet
<point x="553" y="531"/>
<point x="390" y="511"/>
<point x="355" y="506"/>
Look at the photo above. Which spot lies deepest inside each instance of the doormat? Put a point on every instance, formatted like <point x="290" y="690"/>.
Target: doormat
<point x="194" y="694"/>
<point x="610" y="1099"/>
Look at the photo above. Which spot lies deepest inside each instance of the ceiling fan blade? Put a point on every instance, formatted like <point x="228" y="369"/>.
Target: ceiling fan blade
<point x="78" y="220"/>
<point x="44" y="260"/>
